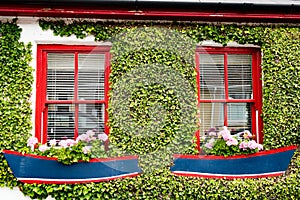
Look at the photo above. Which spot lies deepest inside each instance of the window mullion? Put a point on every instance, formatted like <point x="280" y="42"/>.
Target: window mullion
<point x="226" y="89"/>
<point x="44" y="108"/>
<point x="106" y="89"/>
<point x="76" y="95"/>
<point x="256" y="96"/>
<point x="198" y="75"/>
<point x="45" y="125"/>
<point x="226" y="76"/>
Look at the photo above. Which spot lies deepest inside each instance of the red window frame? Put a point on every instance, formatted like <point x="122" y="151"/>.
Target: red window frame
<point x="41" y="117"/>
<point x="257" y="123"/>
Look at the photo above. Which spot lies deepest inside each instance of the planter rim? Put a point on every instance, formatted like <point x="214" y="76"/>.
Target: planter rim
<point x="261" y="153"/>
<point x="52" y="158"/>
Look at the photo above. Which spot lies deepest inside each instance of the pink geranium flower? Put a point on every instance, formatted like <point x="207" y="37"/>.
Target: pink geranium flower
<point x="103" y="137"/>
<point x="91" y="139"/>
<point x="52" y="142"/>
<point x="209" y="145"/>
<point x="90" y="133"/>
<point x="82" y="137"/>
<point x="227" y="136"/>
<point x="43" y="147"/>
<point x="232" y="141"/>
<point x="212" y="134"/>
<point x="242" y="140"/>
<point x="225" y="133"/>
<point x="252" y="144"/>
<point x="260" y="147"/>
<point x="31" y="142"/>
<point x="63" y="143"/>
<point x="87" y="137"/>
<point x="243" y="145"/>
<point x="70" y="142"/>
<point x="247" y="134"/>
<point x="85" y="150"/>
<point x="212" y="140"/>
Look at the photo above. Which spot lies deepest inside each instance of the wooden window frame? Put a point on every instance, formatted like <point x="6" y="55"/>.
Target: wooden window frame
<point x="257" y="123"/>
<point x="41" y="117"/>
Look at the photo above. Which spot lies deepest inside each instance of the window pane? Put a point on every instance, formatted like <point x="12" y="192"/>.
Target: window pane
<point x="212" y="117"/>
<point x="91" y="116"/>
<point x="211" y="76"/>
<point x="61" y="121"/>
<point x="239" y="117"/>
<point x="239" y="76"/>
<point x="60" y="76"/>
<point x="91" y="76"/>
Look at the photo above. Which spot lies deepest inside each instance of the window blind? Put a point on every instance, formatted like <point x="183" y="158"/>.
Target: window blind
<point x="91" y="76"/>
<point x="61" y="85"/>
<point x="212" y="76"/>
<point x="212" y="69"/>
<point x="240" y="76"/>
<point x="60" y="76"/>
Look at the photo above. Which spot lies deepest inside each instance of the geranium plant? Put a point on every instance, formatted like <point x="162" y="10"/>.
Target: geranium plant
<point x="85" y="147"/>
<point x="225" y="144"/>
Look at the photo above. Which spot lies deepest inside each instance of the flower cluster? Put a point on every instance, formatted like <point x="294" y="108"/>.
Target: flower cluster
<point x="69" y="151"/>
<point x="223" y="143"/>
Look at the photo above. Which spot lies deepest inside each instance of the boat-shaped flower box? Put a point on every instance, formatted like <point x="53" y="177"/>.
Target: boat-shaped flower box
<point x="262" y="164"/>
<point x="29" y="168"/>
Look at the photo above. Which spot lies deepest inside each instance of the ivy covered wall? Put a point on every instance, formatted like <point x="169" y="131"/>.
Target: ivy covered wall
<point x="280" y="63"/>
<point x="16" y="82"/>
<point x="280" y="46"/>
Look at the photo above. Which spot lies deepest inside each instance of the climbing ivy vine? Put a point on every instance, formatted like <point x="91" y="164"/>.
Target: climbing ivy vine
<point x="15" y="90"/>
<point x="280" y="47"/>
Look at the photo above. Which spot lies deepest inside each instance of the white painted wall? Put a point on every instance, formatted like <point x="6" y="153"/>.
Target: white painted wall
<point x="12" y="194"/>
<point x="31" y="32"/>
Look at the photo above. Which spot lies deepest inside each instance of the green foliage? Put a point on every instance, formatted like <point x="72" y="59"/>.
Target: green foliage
<point x="281" y="65"/>
<point x="153" y="100"/>
<point x="69" y="151"/>
<point x="281" y="70"/>
<point x="224" y="144"/>
<point x="70" y="154"/>
<point x="221" y="148"/>
<point x="66" y="155"/>
<point x="15" y="90"/>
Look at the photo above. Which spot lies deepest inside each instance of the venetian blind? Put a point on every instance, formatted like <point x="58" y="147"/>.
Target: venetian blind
<point x="239" y="76"/>
<point x="212" y="76"/>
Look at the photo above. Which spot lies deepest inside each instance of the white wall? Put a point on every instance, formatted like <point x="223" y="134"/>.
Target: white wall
<point x="31" y="32"/>
<point x="12" y="194"/>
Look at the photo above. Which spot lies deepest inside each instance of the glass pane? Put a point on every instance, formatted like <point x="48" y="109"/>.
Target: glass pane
<point x="239" y="117"/>
<point x="60" y="76"/>
<point x="211" y="76"/>
<point x="91" y="116"/>
<point x="239" y="76"/>
<point x="212" y="118"/>
<point x="61" y="121"/>
<point x="91" y="76"/>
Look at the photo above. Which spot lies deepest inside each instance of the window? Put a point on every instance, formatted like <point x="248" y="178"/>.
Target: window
<point x="229" y="90"/>
<point x="71" y="90"/>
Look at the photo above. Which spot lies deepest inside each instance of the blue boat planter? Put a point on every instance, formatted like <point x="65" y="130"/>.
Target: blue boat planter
<point x="29" y="168"/>
<point x="262" y="164"/>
